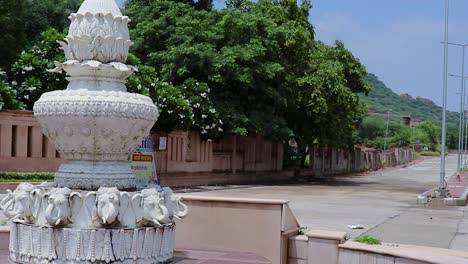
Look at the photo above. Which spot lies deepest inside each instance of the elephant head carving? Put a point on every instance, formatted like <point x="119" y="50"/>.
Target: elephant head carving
<point x="58" y="210"/>
<point x="149" y="208"/>
<point x="18" y="205"/>
<point x="174" y="204"/>
<point x="108" y="205"/>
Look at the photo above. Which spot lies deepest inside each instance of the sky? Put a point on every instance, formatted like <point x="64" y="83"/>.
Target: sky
<point x="399" y="41"/>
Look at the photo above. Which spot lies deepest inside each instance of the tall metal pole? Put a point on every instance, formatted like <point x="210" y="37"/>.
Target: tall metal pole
<point x="442" y="185"/>
<point x="414" y="139"/>
<point x="460" y="126"/>
<point x="466" y="125"/>
<point x="386" y="131"/>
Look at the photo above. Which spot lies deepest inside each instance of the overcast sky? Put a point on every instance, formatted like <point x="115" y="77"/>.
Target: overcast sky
<point x="399" y="40"/>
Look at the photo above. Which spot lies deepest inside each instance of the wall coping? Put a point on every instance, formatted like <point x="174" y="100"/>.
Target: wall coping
<point x="232" y="199"/>
<point x="299" y="238"/>
<point x="418" y="253"/>
<point x="17" y="112"/>
<point x="330" y="235"/>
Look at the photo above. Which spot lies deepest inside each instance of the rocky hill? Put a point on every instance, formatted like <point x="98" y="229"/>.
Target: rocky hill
<point x="382" y="98"/>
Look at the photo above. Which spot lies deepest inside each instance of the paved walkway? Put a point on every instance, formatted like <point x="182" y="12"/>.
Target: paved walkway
<point x="197" y="255"/>
<point x="383" y="202"/>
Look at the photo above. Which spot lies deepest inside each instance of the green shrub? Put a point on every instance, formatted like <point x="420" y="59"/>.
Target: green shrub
<point x="368" y="240"/>
<point x="429" y="153"/>
<point x="26" y="176"/>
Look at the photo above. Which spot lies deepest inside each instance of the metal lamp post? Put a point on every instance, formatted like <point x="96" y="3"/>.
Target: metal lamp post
<point x="461" y="128"/>
<point x="386" y="131"/>
<point x="462" y="107"/>
<point x="466" y="129"/>
<point x="442" y="184"/>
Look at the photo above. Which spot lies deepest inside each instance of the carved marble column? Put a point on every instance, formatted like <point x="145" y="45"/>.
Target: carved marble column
<point x="92" y="212"/>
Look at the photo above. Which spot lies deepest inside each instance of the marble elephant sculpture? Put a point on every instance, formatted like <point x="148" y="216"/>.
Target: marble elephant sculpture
<point x="174" y="204"/>
<point x="57" y="210"/>
<point x="111" y="207"/>
<point x="101" y="208"/>
<point x="105" y="207"/>
<point x="150" y="209"/>
<point x="19" y="204"/>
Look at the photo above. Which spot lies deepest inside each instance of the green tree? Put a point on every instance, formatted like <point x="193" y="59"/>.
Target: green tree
<point x="324" y="106"/>
<point x="233" y="51"/>
<point x="266" y="72"/>
<point x="430" y="135"/>
<point x="8" y="95"/>
<point x="29" y="75"/>
<point x="13" y="30"/>
<point x="22" y="22"/>
<point x="372" y="127"/>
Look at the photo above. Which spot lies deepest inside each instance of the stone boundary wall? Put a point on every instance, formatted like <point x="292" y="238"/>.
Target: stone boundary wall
<point x="23" y="147"/>
<point x="189" y="160"/>
<point x="329" y="247"/>
<point x="330" y="161"/>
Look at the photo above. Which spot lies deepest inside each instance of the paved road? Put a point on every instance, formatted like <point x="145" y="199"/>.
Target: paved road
<point x="383" y="202"/>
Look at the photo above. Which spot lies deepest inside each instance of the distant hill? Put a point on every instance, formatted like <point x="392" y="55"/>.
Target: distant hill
<point x="382" y="98"/>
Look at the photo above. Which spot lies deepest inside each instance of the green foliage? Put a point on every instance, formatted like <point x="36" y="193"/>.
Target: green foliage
<point x="26" y="176"/>
<point x="183" y="107"/>
<point x="429" y="153"/>
<point x="29" y="76"/>
<point x="12" y="28"/>
<point x="368" y="240"/>
<point x="372" y="133"/>
<point x="255" y="64"/>
<point x="8" y="95"/>
<point x="266" y="73"/>
<point x="22" y="21"/>
<point x="230" y="51"/>
<point x="430" y="135"/>
<point x="381" y="99"/>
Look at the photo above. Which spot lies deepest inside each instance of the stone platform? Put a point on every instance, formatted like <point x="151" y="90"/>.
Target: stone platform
<point x="196" y="255"/>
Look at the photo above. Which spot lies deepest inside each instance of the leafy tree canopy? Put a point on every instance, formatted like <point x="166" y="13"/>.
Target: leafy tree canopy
<point x="266" y="72"/>
<point x="22" y="21"/>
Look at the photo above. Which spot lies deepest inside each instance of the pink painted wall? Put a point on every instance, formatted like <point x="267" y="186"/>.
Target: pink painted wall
<point x="187" y="152"/>
<point x="23" y="147"/>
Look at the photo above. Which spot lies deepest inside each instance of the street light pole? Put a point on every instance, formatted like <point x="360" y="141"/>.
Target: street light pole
<point x="462" y="111"/>
<point x="465" y="126"/>
<point x="442" y="185"/>
<point x="386" y="131"/>
<point x="461" y="128"/>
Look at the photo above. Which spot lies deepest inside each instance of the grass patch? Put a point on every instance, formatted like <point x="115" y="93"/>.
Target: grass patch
<point x="429" y="153"/>
<point x="368" y="240"/>
<point x="26" y="176"/>
<point x="302" y="230"/>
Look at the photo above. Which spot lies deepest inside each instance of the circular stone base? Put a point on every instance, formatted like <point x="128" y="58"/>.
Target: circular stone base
<point x="90" y="175"/>
<point x="34" y="244"/>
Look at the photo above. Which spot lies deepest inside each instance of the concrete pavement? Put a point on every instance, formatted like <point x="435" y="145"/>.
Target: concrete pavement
<point x="384" y="202"/>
